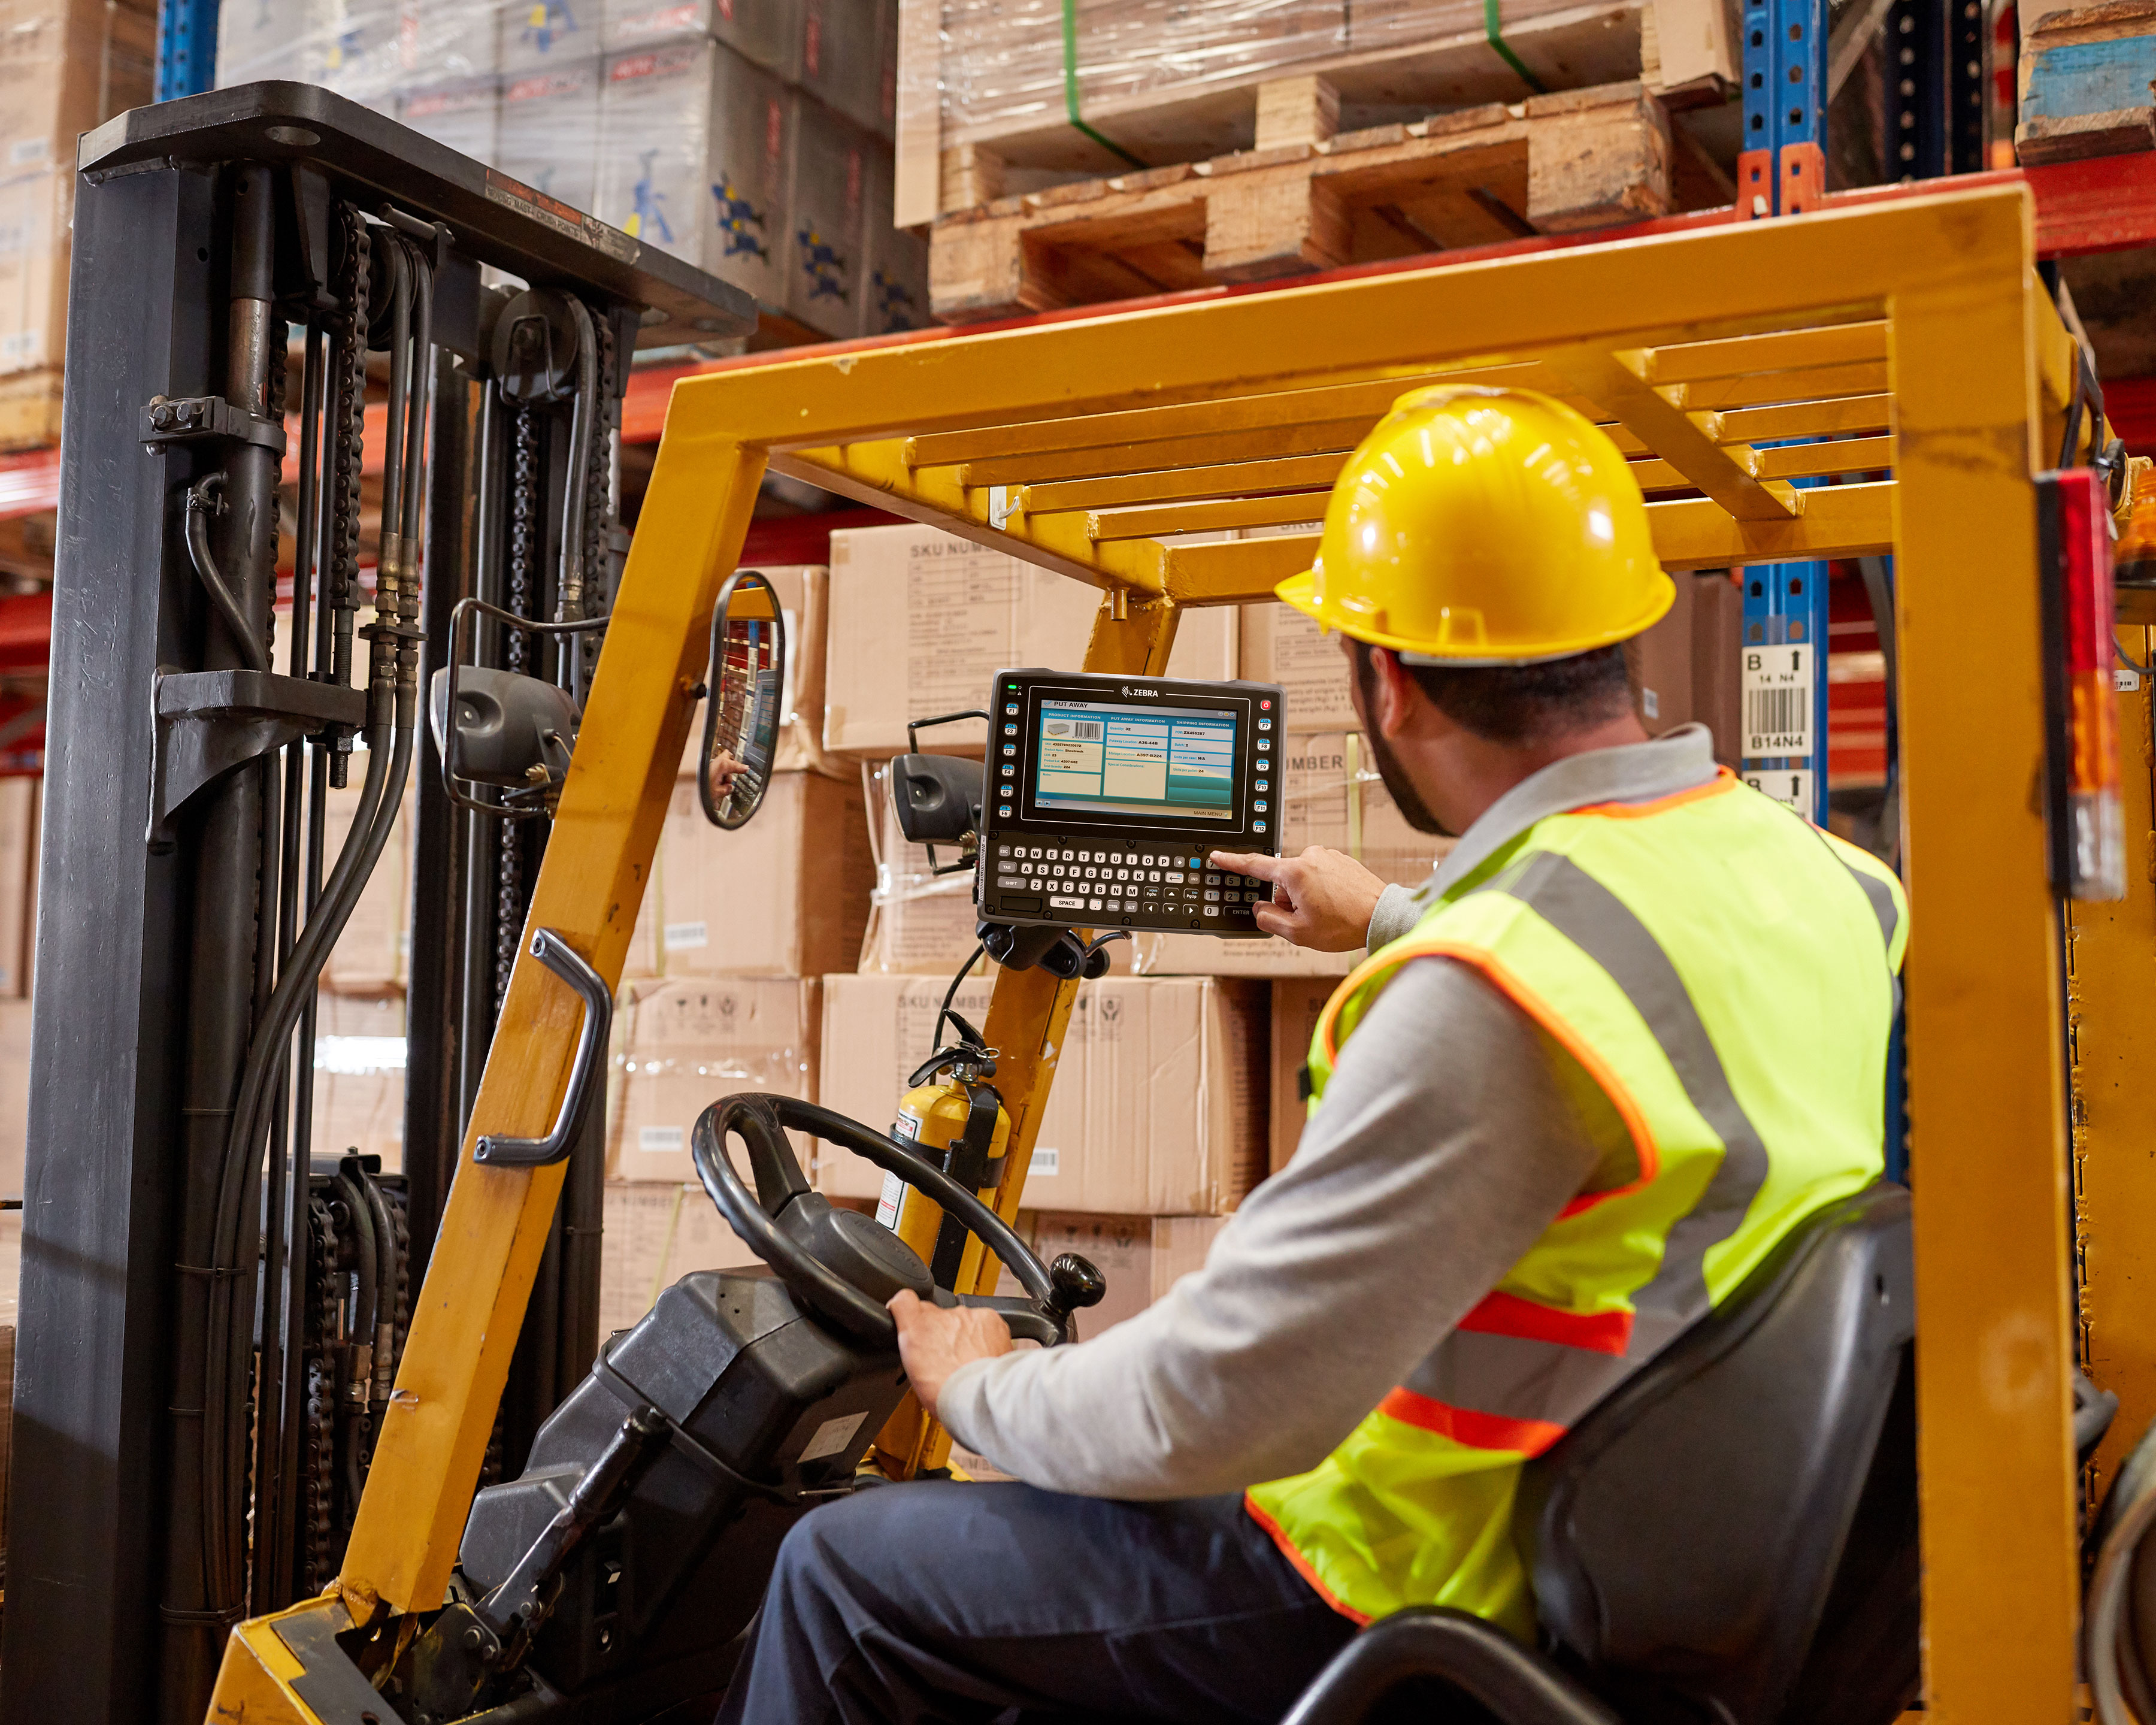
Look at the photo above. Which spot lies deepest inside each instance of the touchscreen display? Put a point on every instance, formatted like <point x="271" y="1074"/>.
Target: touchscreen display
<point x="1100" y="758"/>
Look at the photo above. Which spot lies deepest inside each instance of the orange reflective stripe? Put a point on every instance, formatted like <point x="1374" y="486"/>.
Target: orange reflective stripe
<point x="1256" y="1512"/>
<point x="1723" y="780"/>
<point x="1465" y="1425"/>
<point x="1502" y="1314"/>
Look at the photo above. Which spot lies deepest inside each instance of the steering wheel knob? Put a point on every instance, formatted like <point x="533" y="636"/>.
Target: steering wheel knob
<point x="1074" y="1283"/>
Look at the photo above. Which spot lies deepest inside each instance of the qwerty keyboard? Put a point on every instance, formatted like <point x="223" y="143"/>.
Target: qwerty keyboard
<point x="1135" y="883"/>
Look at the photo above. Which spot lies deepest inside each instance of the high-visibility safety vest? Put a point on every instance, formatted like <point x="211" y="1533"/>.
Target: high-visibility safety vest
<point x="1726" y="973"/>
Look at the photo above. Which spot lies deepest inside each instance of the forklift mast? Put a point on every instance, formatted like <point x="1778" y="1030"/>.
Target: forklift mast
<point x="255" y="584"/>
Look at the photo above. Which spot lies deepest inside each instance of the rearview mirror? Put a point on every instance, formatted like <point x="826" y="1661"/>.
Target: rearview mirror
<point x="742" y="687"/>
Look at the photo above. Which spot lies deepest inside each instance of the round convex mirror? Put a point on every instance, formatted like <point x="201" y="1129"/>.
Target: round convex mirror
<point x="743" y="684"/>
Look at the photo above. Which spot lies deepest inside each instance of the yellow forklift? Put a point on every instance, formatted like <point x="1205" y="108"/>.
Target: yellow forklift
<point x="1905" y="359"/>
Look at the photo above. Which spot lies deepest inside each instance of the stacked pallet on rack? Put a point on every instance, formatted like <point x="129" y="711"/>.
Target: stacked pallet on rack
<point x="749" y="137"/>
<point x="1241" y="142"/>
<point x="65" y="65"/>
<point x="721" y="991"/>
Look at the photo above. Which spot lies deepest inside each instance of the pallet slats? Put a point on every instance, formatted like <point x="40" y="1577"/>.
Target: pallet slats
<point x="1555" y="164"/>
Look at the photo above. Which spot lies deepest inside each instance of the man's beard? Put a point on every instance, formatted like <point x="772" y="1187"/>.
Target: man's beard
<point x="1405" y="798"/>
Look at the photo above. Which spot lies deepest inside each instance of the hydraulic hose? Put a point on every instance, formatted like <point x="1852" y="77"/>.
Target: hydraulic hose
<point x="385" y="1286"/>
<point x="393" y="683"/>
<point x="204" y="499"/>
<point x="352" y="1411"/>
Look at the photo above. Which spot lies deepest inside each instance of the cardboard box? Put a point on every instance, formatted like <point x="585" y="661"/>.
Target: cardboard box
<point x="767" y="32"/>
<point x="372" y="954"/>
<point x="1141" y="1257"/>
<point x="18" y="874"/>
<point x="694" y="156"/>
<point x="462" y="113"/>
<point x="14" y="1094"/>
<point x="549" y="130"/>
<point x="35" y="210"/>
<point x="841" y="57"/>
<point x="785" y="895"/>
<point x="1282" y="645"/>
<point x="1684" y="669"/>
<point x="437" y="40"/>
<point x="826" y="194"/>
<point x="359" y="1077"/>
<point x="894" y="259"/>
<point x="655" y="1235"/>
<point x="67" y="66"/>
<point x="921" y="621"/>
<point x="919" y="922"/>
<point x="1296" y="1003"/>
<point x="686" y="1043"/>
<point x="804" y="604"/>
<point x="1158" y="1107"/>
<point x="543" y="35"/>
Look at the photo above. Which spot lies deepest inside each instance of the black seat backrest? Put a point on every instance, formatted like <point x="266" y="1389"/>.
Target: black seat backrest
<point x="1688" y="1538"/>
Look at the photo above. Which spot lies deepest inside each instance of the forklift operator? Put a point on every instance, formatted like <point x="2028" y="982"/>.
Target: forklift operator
<point x="1631" y="1033"/>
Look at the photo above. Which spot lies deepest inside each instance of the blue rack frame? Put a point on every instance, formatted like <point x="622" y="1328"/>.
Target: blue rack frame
<point x="186" y="47"/>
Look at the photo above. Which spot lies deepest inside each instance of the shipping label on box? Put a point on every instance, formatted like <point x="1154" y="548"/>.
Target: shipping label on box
<point x="785" y="895"/>
<point x="921" y="621"/>
<point x="694" y="160"/>
<point x="685" y="1044"/>
<point x="550" y="131"/>
<point x="1157" y="1105"/>
<point x="655" y="1235"/>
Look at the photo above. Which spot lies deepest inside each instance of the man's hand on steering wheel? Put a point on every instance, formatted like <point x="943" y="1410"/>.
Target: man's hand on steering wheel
<point x="934" y="1341"/>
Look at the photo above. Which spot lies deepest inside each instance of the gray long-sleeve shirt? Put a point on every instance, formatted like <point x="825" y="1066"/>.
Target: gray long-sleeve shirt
<point x="1452" y="1134"/>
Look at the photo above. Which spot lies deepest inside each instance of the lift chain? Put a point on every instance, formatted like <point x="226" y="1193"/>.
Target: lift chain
<point x="346" y="443"/>
<point x="324" y="1348"/>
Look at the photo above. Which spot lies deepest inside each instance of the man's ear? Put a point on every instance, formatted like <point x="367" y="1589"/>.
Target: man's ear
<point x="1392" y="692"/>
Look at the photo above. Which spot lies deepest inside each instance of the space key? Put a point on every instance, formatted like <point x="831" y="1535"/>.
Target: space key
<point x="1067" y="904"/>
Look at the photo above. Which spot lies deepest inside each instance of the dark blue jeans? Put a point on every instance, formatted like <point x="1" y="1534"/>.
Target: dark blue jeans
<point x="958" y="1603"/>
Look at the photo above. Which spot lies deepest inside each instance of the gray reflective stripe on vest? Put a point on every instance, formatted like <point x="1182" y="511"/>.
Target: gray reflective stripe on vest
<point x="1520" y="1378"/>
<point x="1881" y="896"/>
<point x="1517" y="1377"/>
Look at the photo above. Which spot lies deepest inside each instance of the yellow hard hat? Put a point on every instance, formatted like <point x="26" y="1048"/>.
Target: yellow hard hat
<point x="1484" y="527"/>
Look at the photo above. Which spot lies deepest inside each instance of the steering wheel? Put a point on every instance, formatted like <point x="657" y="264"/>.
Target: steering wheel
<point x="844" y="1265"/>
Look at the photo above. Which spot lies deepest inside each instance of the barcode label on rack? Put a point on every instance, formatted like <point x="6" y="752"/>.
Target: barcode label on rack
<point x="1791" y="788"/>
<point x="1778" y="701"/>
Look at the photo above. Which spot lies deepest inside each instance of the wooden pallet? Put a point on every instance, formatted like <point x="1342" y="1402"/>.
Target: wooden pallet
<point x="30" y="409"/>
<point x="1555" y="164"/>
<point x="1683" y="50"/>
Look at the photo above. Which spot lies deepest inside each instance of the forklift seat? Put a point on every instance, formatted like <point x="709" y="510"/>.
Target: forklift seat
<point x="1731" y="1537"/>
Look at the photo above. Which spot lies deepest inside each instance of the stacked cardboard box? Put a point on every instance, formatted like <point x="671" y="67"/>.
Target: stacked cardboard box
<point x="65" y="66"/>
<point x="750" y="138"/>
<point x="1159" y="1107"/>
<point x="722" y="988"/>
